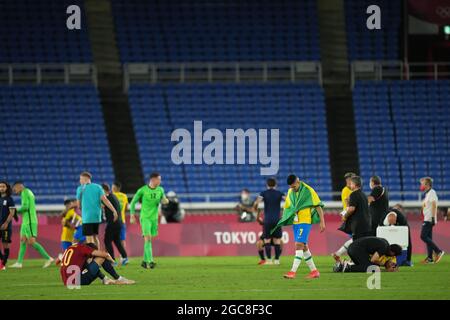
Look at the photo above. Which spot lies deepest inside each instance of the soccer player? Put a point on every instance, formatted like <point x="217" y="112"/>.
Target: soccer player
<point x="7" y="211"/>
<point x="346" y="191"/>
<point x="71" y="224"/>
<point x="123" y="200"/>
<point x="29" y="227"/>
<point x="345" y="195"/>
<point x="302" y="208"/>
<point x="90" y="196"/>
<point x="272" y="200"/>
<point x="429" y="210"/>
<point x="70" y="221"/>
<point x="150" y="196"/>
<point x="113" y="227"/>
<point x="80" y="265"/>
<point x="369" y="251"/>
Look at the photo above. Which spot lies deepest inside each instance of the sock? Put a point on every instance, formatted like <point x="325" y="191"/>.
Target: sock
<point x="101" y="275"/>
<point x="22" y="251"/>
<point x="297" y="260"/>
<point x="309" y="260"/>
<point x="148" y="254"/>
<point x="261" y="254"/>
<point x="277" y="251"/>
<point x="110" y="269"/>
<point x="6" y="256"/>
<point x="343" y="250"/>
<point x="41" y="250"/>
<point x="268" y="249"/>
<point x="1" y="256"/>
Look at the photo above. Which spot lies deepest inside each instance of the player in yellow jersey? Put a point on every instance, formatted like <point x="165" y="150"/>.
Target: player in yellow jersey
<point x="301" y="205"/>
<point x="345" y="196"/>
<point x="71" y="226"/>
<point x="123" y="201"/>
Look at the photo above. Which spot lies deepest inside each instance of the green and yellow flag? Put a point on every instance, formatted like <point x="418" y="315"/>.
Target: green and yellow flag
<point x="304" y="198"/>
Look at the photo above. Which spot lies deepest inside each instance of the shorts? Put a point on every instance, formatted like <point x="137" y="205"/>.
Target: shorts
<point x="65" y="245"/>
<point x="89" y="274"/>
<point x="29" y="230"/>
<point x="90" y="229"/>
<point x="301" y="232"/>
<point x="6" y="235"/>
<point x="123" y="232"/>
<point x="149" y="227"/>
<point x="78" y="235"/>
<point x="277" y="234"/>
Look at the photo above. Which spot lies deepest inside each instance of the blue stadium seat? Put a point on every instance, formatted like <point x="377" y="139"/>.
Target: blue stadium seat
<point x="52" y="149"/>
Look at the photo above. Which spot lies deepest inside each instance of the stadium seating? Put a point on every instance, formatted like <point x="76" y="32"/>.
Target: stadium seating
<point x="35" y="31"/>
<point x="232" y="30"/>
<point x="49" y="135"/>
<point x="297" y="110"/>
<point x="365" y="44"/>
<point x="402" y="132"/>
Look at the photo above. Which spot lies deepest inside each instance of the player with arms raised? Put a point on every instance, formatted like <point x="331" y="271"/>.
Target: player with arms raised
<point x="150" y="196"/>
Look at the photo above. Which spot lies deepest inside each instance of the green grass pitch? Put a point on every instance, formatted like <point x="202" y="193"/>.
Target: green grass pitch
<point x="219" y="278"/>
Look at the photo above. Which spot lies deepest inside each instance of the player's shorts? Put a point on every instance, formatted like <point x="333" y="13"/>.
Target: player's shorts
<point x="65" y="245"/>
<point x="6" y="235"/>
<point x="89" y="274"/>
<point x="78" y="235"/>
<point x="29" y="230"/>
<point x="301" y="232"/>
<point x="90" y="229"/>
<point x="149" y="227"/>
<point x="123" y="232"/>
<point x="277" y="234"/>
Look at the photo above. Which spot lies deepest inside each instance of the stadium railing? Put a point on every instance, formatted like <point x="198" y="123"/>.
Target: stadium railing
<point x="398" y="70"/>
<point x="290" y="71"/>
<point x="40" y="73"/>
<point x="206" y="201"/>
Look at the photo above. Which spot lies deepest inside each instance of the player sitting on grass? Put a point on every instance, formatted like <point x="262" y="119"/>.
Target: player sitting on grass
<point x="80" y="265"/>
<point x="370" y="251"/>
<point x="302" y="208"/>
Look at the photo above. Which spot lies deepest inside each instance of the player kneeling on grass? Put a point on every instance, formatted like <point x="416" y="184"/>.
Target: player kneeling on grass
<point x="80" y="266"/>
<point x="302" y="208"/>
<point x="370" y="251"/>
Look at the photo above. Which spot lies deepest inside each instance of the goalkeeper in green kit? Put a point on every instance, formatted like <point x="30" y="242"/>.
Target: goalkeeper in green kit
<point x="150" y="196"/>
<point x="29" y="226"/>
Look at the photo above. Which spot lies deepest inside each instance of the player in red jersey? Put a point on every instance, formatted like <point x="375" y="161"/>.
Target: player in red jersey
<point x="80" y="265"/>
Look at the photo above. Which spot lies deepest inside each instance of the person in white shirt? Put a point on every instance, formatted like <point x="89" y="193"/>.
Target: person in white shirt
<point x="429" y="211"/>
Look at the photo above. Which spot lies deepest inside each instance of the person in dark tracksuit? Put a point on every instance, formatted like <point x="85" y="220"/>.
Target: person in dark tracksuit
<point x="113" y="228"/>
<point x="357" y="213"/>
<point x="369" y="251"/>
<point x="378" y="203"/>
